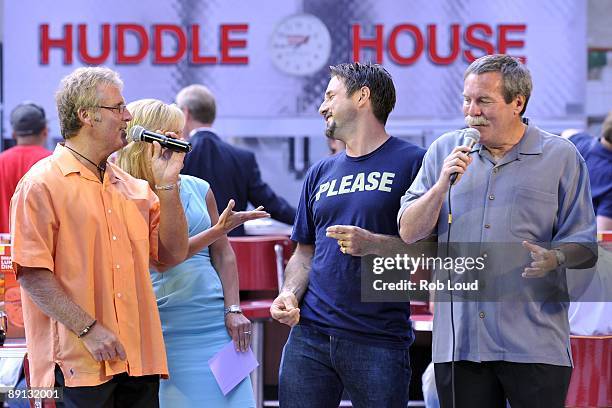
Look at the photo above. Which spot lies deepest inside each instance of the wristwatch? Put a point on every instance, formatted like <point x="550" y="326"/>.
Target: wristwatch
<point x="560" y="257"/>
<point x="233" y="309"/>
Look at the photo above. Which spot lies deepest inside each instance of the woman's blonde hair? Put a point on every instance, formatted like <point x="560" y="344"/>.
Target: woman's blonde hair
<point x="154" y="115"/>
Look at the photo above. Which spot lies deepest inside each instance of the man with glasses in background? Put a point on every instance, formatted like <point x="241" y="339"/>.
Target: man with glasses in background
<point x="83" y="231"/>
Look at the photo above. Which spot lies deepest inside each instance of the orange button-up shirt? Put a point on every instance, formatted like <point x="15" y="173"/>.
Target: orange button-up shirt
<point x="96" y="237"/>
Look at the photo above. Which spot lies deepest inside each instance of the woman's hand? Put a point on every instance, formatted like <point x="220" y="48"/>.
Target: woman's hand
<point x="230" y="219"/>
<point x="239" y="328"/>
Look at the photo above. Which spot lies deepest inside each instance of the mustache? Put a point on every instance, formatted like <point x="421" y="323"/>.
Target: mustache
<point x="476" y="120"/>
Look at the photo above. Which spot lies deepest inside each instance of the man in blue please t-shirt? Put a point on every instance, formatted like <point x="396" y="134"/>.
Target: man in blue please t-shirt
<point x="347" y="211"/>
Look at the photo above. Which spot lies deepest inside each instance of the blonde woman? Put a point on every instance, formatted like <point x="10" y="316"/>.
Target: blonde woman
<point x="192" y="295"/>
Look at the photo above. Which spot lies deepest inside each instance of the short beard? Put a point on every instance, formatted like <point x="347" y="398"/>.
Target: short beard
<point x="330" y="130"/>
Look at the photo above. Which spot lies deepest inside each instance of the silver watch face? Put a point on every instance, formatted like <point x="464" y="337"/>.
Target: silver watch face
<point x="560" y="257"/>
<point x="233" y="309"/>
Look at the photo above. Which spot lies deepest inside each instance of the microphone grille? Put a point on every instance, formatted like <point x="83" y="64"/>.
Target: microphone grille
<point x="136" y="133"/>
<point x="472" y="134"/>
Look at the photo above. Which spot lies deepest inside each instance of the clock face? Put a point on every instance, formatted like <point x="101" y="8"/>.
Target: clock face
<point x="300" y="45"/>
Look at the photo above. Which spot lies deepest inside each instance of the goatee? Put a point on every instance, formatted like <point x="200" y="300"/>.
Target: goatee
<point x="330" y="130"/>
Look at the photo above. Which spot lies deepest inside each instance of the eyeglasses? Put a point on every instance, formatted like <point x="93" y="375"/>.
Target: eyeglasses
<point x="120" y="109"/>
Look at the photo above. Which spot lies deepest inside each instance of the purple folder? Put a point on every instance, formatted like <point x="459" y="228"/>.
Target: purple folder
<point x="230" y="367"/>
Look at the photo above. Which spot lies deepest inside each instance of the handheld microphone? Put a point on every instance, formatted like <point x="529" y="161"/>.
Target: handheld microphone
<point x="471" y="136"/>
<point x="140" y="134"/>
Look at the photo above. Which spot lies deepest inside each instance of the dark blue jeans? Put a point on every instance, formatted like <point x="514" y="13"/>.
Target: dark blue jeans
<point x="316" y="368"/>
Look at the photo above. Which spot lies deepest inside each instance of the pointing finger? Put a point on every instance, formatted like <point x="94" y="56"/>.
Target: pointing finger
<point x="532" y="247"/>
<point x="340" y="229"/>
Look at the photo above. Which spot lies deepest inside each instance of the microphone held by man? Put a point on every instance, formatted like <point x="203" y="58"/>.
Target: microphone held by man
<point x="140" y="134"/>
<point x="471" y="136"/>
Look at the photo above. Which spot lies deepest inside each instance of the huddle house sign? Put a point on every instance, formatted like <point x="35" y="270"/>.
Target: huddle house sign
<point x="277" y="52"/>
<point x="291" y="40"/>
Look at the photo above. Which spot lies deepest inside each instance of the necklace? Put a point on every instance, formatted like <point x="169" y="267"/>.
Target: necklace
<point x="100" y="167"/>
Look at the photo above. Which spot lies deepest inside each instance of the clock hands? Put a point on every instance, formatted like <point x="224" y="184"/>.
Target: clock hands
<point x="294" y="40"/>
<point x="298" y="40"/>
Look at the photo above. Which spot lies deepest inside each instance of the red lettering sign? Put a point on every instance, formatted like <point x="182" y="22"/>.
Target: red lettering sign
<point x="375" y="43"/>
<point x="503" y="42"/>
<point x="161" y="37"/>
<point x="84" y="54"/>
<point x="476" y="42"/>
<point x="433" y="49"/>
<point x="196" y="58"/>
<point x="181" y="43"/>
<point x="143" y="43"/>
<point x="46" y="43"/>
<point x="227" y="43"/>
<point x="476" y="37"/>
<point x="418" y="44"/>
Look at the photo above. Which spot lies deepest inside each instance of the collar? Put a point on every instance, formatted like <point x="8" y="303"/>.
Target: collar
<point x="69" y="164"/>
<point x="113" y="175"/>
<point x="201" y="129"/>
<point x="529" y="144"/>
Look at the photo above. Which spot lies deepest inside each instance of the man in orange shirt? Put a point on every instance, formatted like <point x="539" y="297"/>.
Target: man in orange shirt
<point x="30" y="131"/>
<point x="83" y="231"/>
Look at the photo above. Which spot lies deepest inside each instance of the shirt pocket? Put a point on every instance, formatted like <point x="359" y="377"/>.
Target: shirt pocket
<point x="533" y="214"/>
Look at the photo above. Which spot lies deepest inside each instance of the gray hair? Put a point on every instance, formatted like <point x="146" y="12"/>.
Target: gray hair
<point x="199" y="102"/>
<point x="79" y="90"/>
<point x="516" y="78"/>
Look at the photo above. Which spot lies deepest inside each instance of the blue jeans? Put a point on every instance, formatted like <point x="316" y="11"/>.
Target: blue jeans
<point x="316" y="368"/>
